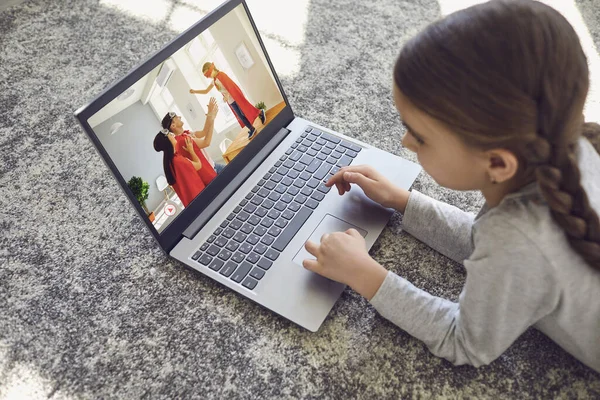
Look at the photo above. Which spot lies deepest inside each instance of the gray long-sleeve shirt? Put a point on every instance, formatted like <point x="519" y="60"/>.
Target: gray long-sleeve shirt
<point x="521" y="272"/>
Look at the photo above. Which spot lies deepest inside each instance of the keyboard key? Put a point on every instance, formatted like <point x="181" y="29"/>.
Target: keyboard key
<point x="288" y="164"/>
<point x="272" y="254"/>
<point x="287" y="214"/>
<point x="241" y="272"/>
<point x="292" y="175"/>
<point x="260" y="248"/>
<point x="214" y="250"/>
<point x="221" y="241"/>
<point x="254" y="220"/>
<point x="313" y="183"/>
<point x="324" y="189"/>
<point x="263" y="192"/>
<point x="235" y="224"/>
<point x="330" y="138"/>
<point x="276" y="178"/>
<point x="250" y="283"/>
<point x="326" y="150"/>
<point x="216" y="264"/>
<point x="302" y="149"/>
<point x="353" y="147"/>
<point x="299" y="183"/>
<point x="232" y="246"/>
<point x="330" y="145"/>
<point x="294" y="226"/>
<point x="281" y="188"/>
<point x="243" y="202"/>
<point x="265" y="263"/>
<point x="311" y="203"/>
<point x="336" y="154"/>
<point x="274" y="196"/>
<point x="305" y="176"/>
<point x="211" y="239"/>
<point x="267" y="240"/>
<point x="322" y="171"/>
<point x="306" y="191"/>
<point x="289" y="151"/>
<point x="246" y="228"/>
<point x="306" y="143"/>
<point x="281" y="223"/>
<point x="299" y="167"/>
<point x="260" y="230"/>
<point x="317" y="196"/>
<point x="314" y="165"/>
<point x="344" y="161"/>
<point x="266" y="222"/>
<point x="312" y="137"/>
<point x="270" y="185"/>
<point x="316" y="147"/>
<point x="225" y="255"/>
<point x="283" y="171"/>
<point x="274" y="214"/>
<point x="250" y="208"/>
<point x="252" y="258"/>
<point x="300" y="198"/>
<point x="228" y="233"/>
<point x="294" y="206"/>
<point x="224" y="224"/>
<point x="274" y="231"/>
<point x="238" y="257"/>
<point x="205" y="259"/>
<point x="252" y="239"/>
<point x="280" y="206"/>
<point x="321" y="141"/>
<point x="256" y="200"/>
<point x="351" y="154"/>
<point x="294" y="145"/>
<point x="295" y="156"/>
<point x="245" y="248"/>
<point x="249" y="196"/>
<point x="230" y="217"/>
<point x="260" y="183"/>
<point x="306" y="159"/>
<point x="240" y="237"/>
<point x="287" y="181"/>
<point x="268" y="204"/>
<point x="321" y="156"/>
<point x="218" y="231"/>
<point x="308" y="129"/>
<point x="261" y="212"/>
<point x="267" y="176"/>
<point x="228" y="268"/>
<point x="292" y="191"/>
<point x="257" y="273"/>
<point x="331" y="160"/>
<point x="196" y="255"/>
<point x="282" y="158"/>
<point x="273" y="169"/>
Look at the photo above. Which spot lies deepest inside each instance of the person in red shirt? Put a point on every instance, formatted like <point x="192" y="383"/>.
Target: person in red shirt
<point x="200" y="140"/>
<point x="244" y="111"/>
<point x="181" y="173"/>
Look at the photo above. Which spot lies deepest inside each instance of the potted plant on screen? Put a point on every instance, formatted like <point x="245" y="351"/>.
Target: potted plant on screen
<point x="140" y="189"/>
<point x="261" y="106"/>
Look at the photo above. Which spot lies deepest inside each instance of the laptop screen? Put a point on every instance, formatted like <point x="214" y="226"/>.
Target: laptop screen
<point x="174" y="131"/>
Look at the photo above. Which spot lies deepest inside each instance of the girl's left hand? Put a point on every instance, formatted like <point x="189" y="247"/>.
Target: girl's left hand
<point x="189" y="146"/>
<point x="343" y="257"/>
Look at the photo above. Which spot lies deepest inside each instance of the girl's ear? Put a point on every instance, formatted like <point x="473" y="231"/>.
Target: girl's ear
<point x="502" y="165"/>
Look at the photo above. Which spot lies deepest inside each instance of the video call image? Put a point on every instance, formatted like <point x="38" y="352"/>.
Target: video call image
<point x="173" y="131"/>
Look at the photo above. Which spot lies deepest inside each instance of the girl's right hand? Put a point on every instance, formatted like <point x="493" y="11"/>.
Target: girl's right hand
<point x="377" y="187"/>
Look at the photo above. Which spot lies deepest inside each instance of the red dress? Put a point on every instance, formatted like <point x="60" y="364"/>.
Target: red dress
<point x="234" y="90"/>
<point x="187" y="184"/>
<point x="207" y="173"/>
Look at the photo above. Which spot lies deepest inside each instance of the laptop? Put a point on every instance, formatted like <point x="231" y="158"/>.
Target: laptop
<point x="234" y="195"/>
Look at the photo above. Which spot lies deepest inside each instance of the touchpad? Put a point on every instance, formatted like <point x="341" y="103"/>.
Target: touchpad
<point x="328" y="224"/>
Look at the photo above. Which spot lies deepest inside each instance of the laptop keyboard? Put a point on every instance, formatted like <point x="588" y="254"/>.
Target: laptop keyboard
<point x="245" y="245"/>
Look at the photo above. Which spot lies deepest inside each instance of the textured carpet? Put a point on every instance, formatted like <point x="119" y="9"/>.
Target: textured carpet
<point x="91" y="308"/>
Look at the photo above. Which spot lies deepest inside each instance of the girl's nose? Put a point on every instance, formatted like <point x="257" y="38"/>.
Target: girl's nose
<point x="409" y="143"/>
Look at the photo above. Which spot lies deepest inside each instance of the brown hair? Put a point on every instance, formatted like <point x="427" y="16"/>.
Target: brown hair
<point x="511" y="74"/>
<point x="206" y="67"/>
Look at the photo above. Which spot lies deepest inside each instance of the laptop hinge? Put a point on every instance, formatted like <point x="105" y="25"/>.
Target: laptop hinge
<point x="234" y="185"/>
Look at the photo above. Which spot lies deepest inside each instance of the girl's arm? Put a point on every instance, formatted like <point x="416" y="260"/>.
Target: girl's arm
<point x="441" y="226"/>
<point x="507" y="290"/>
<point x="205" y="91"/>
<point x="193" y="157"/>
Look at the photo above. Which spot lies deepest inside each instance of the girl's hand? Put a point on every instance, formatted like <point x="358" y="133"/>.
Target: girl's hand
<point x="189" y="146"/>
<point x="343" y="257"/>
<point x="377" y="187"/>
<point x="192" y="91"/>
<point x="213" y="108"/>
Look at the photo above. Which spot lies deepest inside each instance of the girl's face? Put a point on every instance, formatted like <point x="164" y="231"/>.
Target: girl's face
<point x="449" y="161"/>
<point x="177" y="123"/>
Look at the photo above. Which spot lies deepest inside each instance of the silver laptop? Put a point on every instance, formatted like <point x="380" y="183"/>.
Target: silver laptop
<point x="240" y="208"/>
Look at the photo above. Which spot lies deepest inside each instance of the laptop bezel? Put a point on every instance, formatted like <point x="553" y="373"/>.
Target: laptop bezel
<point x="171" y="235"/>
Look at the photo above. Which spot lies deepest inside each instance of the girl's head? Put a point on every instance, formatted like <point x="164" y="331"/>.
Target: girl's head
<point x="165" y="141"/>
<point x="492" y="96"/>
<point x="209" y="70"/>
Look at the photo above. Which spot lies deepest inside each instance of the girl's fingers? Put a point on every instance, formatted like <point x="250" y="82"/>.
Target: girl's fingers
<point x="310" y="265"/>
<point x="311" y="247"/>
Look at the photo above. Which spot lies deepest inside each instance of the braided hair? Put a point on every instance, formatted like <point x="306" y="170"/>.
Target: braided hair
<point x="512" y="74"/>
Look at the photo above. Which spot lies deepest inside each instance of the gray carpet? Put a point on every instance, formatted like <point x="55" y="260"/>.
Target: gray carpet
<point x="91" y="308"/>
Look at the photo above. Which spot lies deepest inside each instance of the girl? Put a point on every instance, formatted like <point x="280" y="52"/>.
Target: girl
<point x="180" y="172"/>
<point x="245" y="112"/>
<point x="491" y="98"/>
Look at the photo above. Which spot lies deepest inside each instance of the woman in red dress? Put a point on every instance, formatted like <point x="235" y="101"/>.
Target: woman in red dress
<point x="181" y="173"/>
